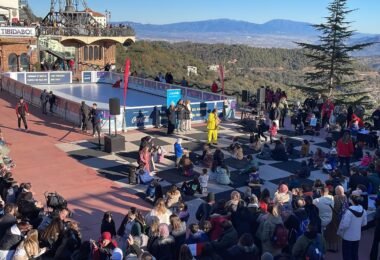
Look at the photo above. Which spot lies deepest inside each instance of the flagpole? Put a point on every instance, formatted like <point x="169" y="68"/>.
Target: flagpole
<point x="126" y="79"/>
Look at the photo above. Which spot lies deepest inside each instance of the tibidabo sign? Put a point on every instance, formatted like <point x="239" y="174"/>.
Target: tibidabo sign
<point x="18" y="31"/>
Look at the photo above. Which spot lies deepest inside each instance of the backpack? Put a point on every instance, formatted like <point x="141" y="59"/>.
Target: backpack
<point x="313" y="250"/>
<point x="304" y="223"/>
<point x="280" y="236"/>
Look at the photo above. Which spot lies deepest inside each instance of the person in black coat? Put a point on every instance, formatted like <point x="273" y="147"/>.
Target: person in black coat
<point x="279" y="152"/>
<point x="358" y="178"/>
<point x="84" y="115"/>
<point x="9" y="219"/>
<point x="12" y="238"/>
<point x="205" y="209"/>
<point x="163" y="246"/>
<point x="172" y="118"/>
<point x="70" y="242"/>
<point x="244" y="250"/>
<point x="108" y="224"/>
<point x="242" y="219"/>
<point x="376" y="119"/>
<point x="218" y="157"/>
<point x="376" y="236"/>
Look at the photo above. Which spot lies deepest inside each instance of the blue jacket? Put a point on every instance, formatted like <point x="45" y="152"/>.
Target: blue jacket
<point x="178" y="150"/>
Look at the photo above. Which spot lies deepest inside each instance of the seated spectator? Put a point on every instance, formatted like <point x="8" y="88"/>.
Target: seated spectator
<point x="235" y="142"/>
<point x="173" y="197"/>
<point x="238" y="152"/>
<point x="223" y="176"/>
<point x="154" y="191"/>
<point x="266" y="153"/>
<point x="108" y="224"/>
<point x="186" y="165"/>
<point x="318" y="159"/>
<point x="255" y="143"/>
<point x="331" y="163"/>
<point x="203" y="180"/>
<point x="183" y="212"/>
<point x="305" y="148"/>
<point x="304" y="172"/>
<point x="279" y="152"/>
<point x="252" y="162"/>
<point x="365" y="161"/>
<point x="218" y="157"/>
<point x="207" y="156"/>
<point x="117" y="83"/>
<point x="191" y="187"/>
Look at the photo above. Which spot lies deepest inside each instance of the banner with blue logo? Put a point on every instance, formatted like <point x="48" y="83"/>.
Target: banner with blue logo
<point x="173" y="95"/>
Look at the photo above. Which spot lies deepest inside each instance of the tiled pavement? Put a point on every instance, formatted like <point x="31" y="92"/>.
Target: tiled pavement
<point x="115" y="166"/>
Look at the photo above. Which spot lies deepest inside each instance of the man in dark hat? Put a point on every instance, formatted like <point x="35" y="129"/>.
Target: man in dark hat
<point x="22" y="110"/>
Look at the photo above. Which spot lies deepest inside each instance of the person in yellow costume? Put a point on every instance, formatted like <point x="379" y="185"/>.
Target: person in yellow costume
<point x="212" y="126"/>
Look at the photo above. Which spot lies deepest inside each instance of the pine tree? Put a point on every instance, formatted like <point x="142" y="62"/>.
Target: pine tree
<point x="333" y="74"/>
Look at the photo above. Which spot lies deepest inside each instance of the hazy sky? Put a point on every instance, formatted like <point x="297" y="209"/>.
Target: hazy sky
<point x="366" y="18"/>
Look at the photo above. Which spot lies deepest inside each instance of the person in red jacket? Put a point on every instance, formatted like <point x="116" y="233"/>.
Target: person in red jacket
<point x="22" y="110"/>
<point x="327" y="109"/>
<point x="345" y="149"/>
<point x="214" y="87"/>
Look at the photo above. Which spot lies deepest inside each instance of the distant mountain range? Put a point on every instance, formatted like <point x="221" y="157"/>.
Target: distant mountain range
<point x="272" y="34"/>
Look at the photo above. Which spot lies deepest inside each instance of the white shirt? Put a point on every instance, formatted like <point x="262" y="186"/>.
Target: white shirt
<point x="325" y="205"/>
<point x="203" y="180"/>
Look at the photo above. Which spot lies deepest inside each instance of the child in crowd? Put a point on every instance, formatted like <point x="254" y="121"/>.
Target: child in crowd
<point x="183" y="212"/>
<point x="254" y="175"/>
<point x="305" y="148"/>
<point x="318" y="159"/>
<point x="189" y="188"/>
<point x="273" y="131"/>
<point x="223" y="176"/>
<point x="154" y="191"/>
<point x="255" y="143"/>
<point x="178" y="151"/>
<point x="252" y="162"/>
<point x="331" y="163"/>
<point x="158" y="154"/>
<point x="203" y="180"/>
<point x="196" y="235"/>
<point x="207" y="156"/>
<point x="238" y="152"/>
<point x="366" y="161"/>
<point x="186" y="165"/>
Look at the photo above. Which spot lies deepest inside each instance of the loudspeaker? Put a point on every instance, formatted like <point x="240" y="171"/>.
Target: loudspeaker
<point x="114" y="105"/>
<point x="261" y="95"/>
<point x="245" y="95"/>
<point x="114" y="143"/>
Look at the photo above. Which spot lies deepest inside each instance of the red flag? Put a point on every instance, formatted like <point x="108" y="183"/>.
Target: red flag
<point x="221" y="70"/>
<point x="126" y="78"/>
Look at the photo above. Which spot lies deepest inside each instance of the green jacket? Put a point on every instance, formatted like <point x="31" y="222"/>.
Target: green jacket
<point x="302" y="244"/>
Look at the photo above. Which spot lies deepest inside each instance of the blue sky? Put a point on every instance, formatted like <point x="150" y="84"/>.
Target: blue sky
<point x="259" y="11"/>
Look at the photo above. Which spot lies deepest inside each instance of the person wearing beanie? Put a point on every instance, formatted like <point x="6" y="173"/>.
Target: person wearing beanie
<point x="104" y="248"/>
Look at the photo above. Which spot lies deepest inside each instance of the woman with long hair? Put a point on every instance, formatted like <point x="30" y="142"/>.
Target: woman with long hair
<point x="70" y="242"/>
<point x="29" y="248"/>
<point x="50" y="235"/>
<point x="178" y="231"/>
<point x="160" y="211"/>
<point x="188" y="115"/>
<point x="173" y="197"/>
<point x="108" y="224"/>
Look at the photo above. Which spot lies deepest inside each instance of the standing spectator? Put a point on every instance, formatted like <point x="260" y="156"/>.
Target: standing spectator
<point x="212" y="126"/>
<point x="44" y="98"/>
<point x="108" y="224"/>
<point x="84" y="115"/>
<point x="345" y="149"/>
<point x="52" y="99"/>
<point x="70" y="241"/>
<point x="172" y="118"/>
<point x="310" y="245"/>
<point x="160" y="211"/>
<point x="327" y="109"/>
<point x="340" y="206"/>
<point x="274" y="115"/>
<point x="376" y="119"/>
<point x="162" y="246"/>
<point x="283" y="107"/>
<point x="188" y="116"/>
<point x="214" y="87"/>
<point x="9" y="218"/>
<point x="325" y="205"/>
<point x="180" y="116"/>
<point x="376" y="236"/>
<point x="178" y="151"/>
<point x="22" y="110"/>
<point x="184" y="82"/>
<point x="103" y="249"/>
<point x="350" y="228"/>
<point x="95" y="120"/>
<point x="29" y="248"/>
<point x="227" y="239"/>
<point x="12" y="238"/>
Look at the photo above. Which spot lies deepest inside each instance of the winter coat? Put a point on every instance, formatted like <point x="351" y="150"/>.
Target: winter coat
<point x="69" y="243"/>
<point x="352" y="222"/>
<point x="301" y="246"/>
<point x="345" y="149"/>
<point x="274" y="114"/>
<point x="162" y="248"/>
<point x="216" y="221"/>
<point x="227" y="239"/>
<point x="9" y="242"/>
<point x="108" y="227"/>
<point x="6" y="222"/>
<point x="242" y="253"/>
<point x="204" y="211"/>
<point x="267" y="231"/>
<point x="325" y="205"/>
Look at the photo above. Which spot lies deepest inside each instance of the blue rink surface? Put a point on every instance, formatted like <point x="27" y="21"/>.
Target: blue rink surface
<point x="101" y="93"/>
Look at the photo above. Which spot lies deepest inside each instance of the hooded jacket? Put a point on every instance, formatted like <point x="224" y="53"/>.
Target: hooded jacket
<point x="352" y="221"/>
<point x="301" y="246"/>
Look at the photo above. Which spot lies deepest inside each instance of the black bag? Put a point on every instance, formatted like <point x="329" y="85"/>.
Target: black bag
<point x="55" y="201"/>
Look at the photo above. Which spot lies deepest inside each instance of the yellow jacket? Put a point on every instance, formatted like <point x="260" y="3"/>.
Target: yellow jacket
<point x="212" y="122"/>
